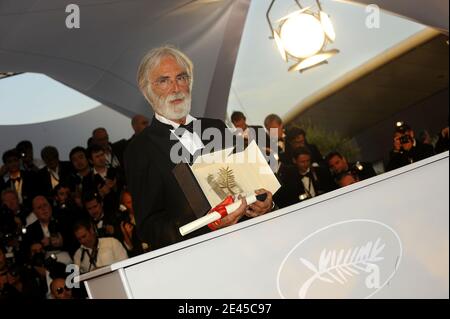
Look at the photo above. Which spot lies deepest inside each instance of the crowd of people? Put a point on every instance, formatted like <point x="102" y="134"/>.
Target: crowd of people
<point x="305" y="173"/>
<point x="56" y="214"/>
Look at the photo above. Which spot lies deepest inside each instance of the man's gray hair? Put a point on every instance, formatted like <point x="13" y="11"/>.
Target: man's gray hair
<point x="152" y="59"/>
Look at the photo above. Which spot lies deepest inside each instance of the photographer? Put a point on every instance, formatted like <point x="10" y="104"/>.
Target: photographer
<point x="66" y="212"/>
<point x="442" y="143"/>
<point x="129" y="238"/>
<point x="302" y="181"/>
<point x="28" y="162"/>
<point x="23" y="182"/>
<point x="46" y="230"/>
<point x="104" y="220"/>
<point x="95" y="252"/>
<point x="20" y="281"/>
<point x="406" y="149"/>
<point x="338" y="165"/>
<point x="106" y="181"/>
<point x="11" y="207"/>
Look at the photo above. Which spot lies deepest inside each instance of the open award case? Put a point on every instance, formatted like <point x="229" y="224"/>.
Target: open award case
<point x="224" y="173"/>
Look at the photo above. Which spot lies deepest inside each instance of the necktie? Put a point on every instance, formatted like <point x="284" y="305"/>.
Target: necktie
<point x="188" y="127"/>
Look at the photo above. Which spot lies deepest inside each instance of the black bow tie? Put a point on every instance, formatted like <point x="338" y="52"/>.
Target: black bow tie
<point x="15" y="179"/>
<point x="188" y="127"/>
<point x="306" y="175"/>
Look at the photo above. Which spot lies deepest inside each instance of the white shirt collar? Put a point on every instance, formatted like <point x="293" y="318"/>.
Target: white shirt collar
<point x="162" y="119"/>
<point x="6" y="177"/>
<point x="307" y="171"/>
<point x="103" y="175"/>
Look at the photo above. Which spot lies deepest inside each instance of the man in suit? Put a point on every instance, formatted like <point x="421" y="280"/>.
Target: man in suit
<point x="250" y="132"/>
<point x="54" y="172"/>
<point x="46" y="229"/>
<point x="275" y="131"/>
<point x="303" y="180"/>
<point x="338" y="165"/>
<point x="23" y="182"/>
<point x="406" y="149"/>
<point x="165" y="79"/>
<point x="113" y="151"/>
<point x="295" y="138"/>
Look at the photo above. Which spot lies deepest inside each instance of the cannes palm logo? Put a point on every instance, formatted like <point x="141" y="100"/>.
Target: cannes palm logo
<point x="350" y="259"/>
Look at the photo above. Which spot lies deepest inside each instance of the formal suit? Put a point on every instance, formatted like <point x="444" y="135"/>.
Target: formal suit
<point x="292" y="186"/>
<point x="363" y="171"/>
<point x="65" y="170"/>
<point x="36" y="235"/>
<point x="158" y="200"/>
<point x="29" y="182"/>
<point x="316" y="156"/>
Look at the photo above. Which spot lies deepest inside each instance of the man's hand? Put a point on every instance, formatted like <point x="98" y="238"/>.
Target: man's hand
<point x="444" y="132"/>
<point x="45" y="241"/>
<point x="109" y="229"/>
<point x="260" y="208"/>
<point x="234" y="217"/>
<point x="111" y="183"/>
<point x="104" y="190"/>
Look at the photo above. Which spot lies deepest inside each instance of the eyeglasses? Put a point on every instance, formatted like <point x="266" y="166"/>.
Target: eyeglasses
<point x="164" y="83"/>
<point x="60" y="290"/>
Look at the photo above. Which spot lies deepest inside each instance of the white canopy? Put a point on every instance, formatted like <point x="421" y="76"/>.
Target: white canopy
<point x="100" y="58"/>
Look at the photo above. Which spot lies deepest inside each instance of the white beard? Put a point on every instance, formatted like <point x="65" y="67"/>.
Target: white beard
<point x="172" y="112"/>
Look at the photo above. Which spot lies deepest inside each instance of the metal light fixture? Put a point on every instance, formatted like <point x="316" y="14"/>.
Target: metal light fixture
<point x="302" y="36"/>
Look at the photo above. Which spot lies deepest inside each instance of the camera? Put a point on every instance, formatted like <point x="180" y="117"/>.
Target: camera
<point x="356" y="168"/>
<point x="39" y="260"/>
<point x="401" y="127"/>
<point x="123" y="215"/>
<point x="111" y="174"/>
<point x="404" y="139"/>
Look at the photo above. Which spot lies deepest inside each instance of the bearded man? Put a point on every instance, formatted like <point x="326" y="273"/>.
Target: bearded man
<point x="165" y="78"/>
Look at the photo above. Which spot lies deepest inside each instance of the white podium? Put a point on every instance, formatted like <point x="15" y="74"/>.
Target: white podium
<point x="386" y="237"/>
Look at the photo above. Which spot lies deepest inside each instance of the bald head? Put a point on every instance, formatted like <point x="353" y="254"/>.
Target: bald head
<point x="139" y="123"/>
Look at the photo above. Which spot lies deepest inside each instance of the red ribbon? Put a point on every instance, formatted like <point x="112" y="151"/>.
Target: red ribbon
<point x="221" y="209"/>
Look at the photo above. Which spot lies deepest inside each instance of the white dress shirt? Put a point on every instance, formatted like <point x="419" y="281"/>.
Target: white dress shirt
<point x="191" y="141"/>
<point x="110" y="251"/>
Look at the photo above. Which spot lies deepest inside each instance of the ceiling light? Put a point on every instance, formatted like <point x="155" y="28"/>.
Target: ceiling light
<point x="302" y="36"/>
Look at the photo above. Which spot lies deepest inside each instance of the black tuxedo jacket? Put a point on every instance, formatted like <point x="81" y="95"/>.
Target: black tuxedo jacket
<point x="29" y="187"/>
<point x="35" y="234"/>
<point x="159" y="202"/>
<point x="292" y="186"/>
<point x="45" y="182"/>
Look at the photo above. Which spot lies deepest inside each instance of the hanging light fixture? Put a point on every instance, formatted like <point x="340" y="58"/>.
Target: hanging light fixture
<point x="302" y="36"/>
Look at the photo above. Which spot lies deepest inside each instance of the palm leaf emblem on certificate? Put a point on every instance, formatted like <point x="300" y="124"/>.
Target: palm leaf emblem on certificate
<point x="227" y="182"/>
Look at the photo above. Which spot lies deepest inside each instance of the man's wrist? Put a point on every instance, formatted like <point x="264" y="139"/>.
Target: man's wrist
<point x="274" y="207"/>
